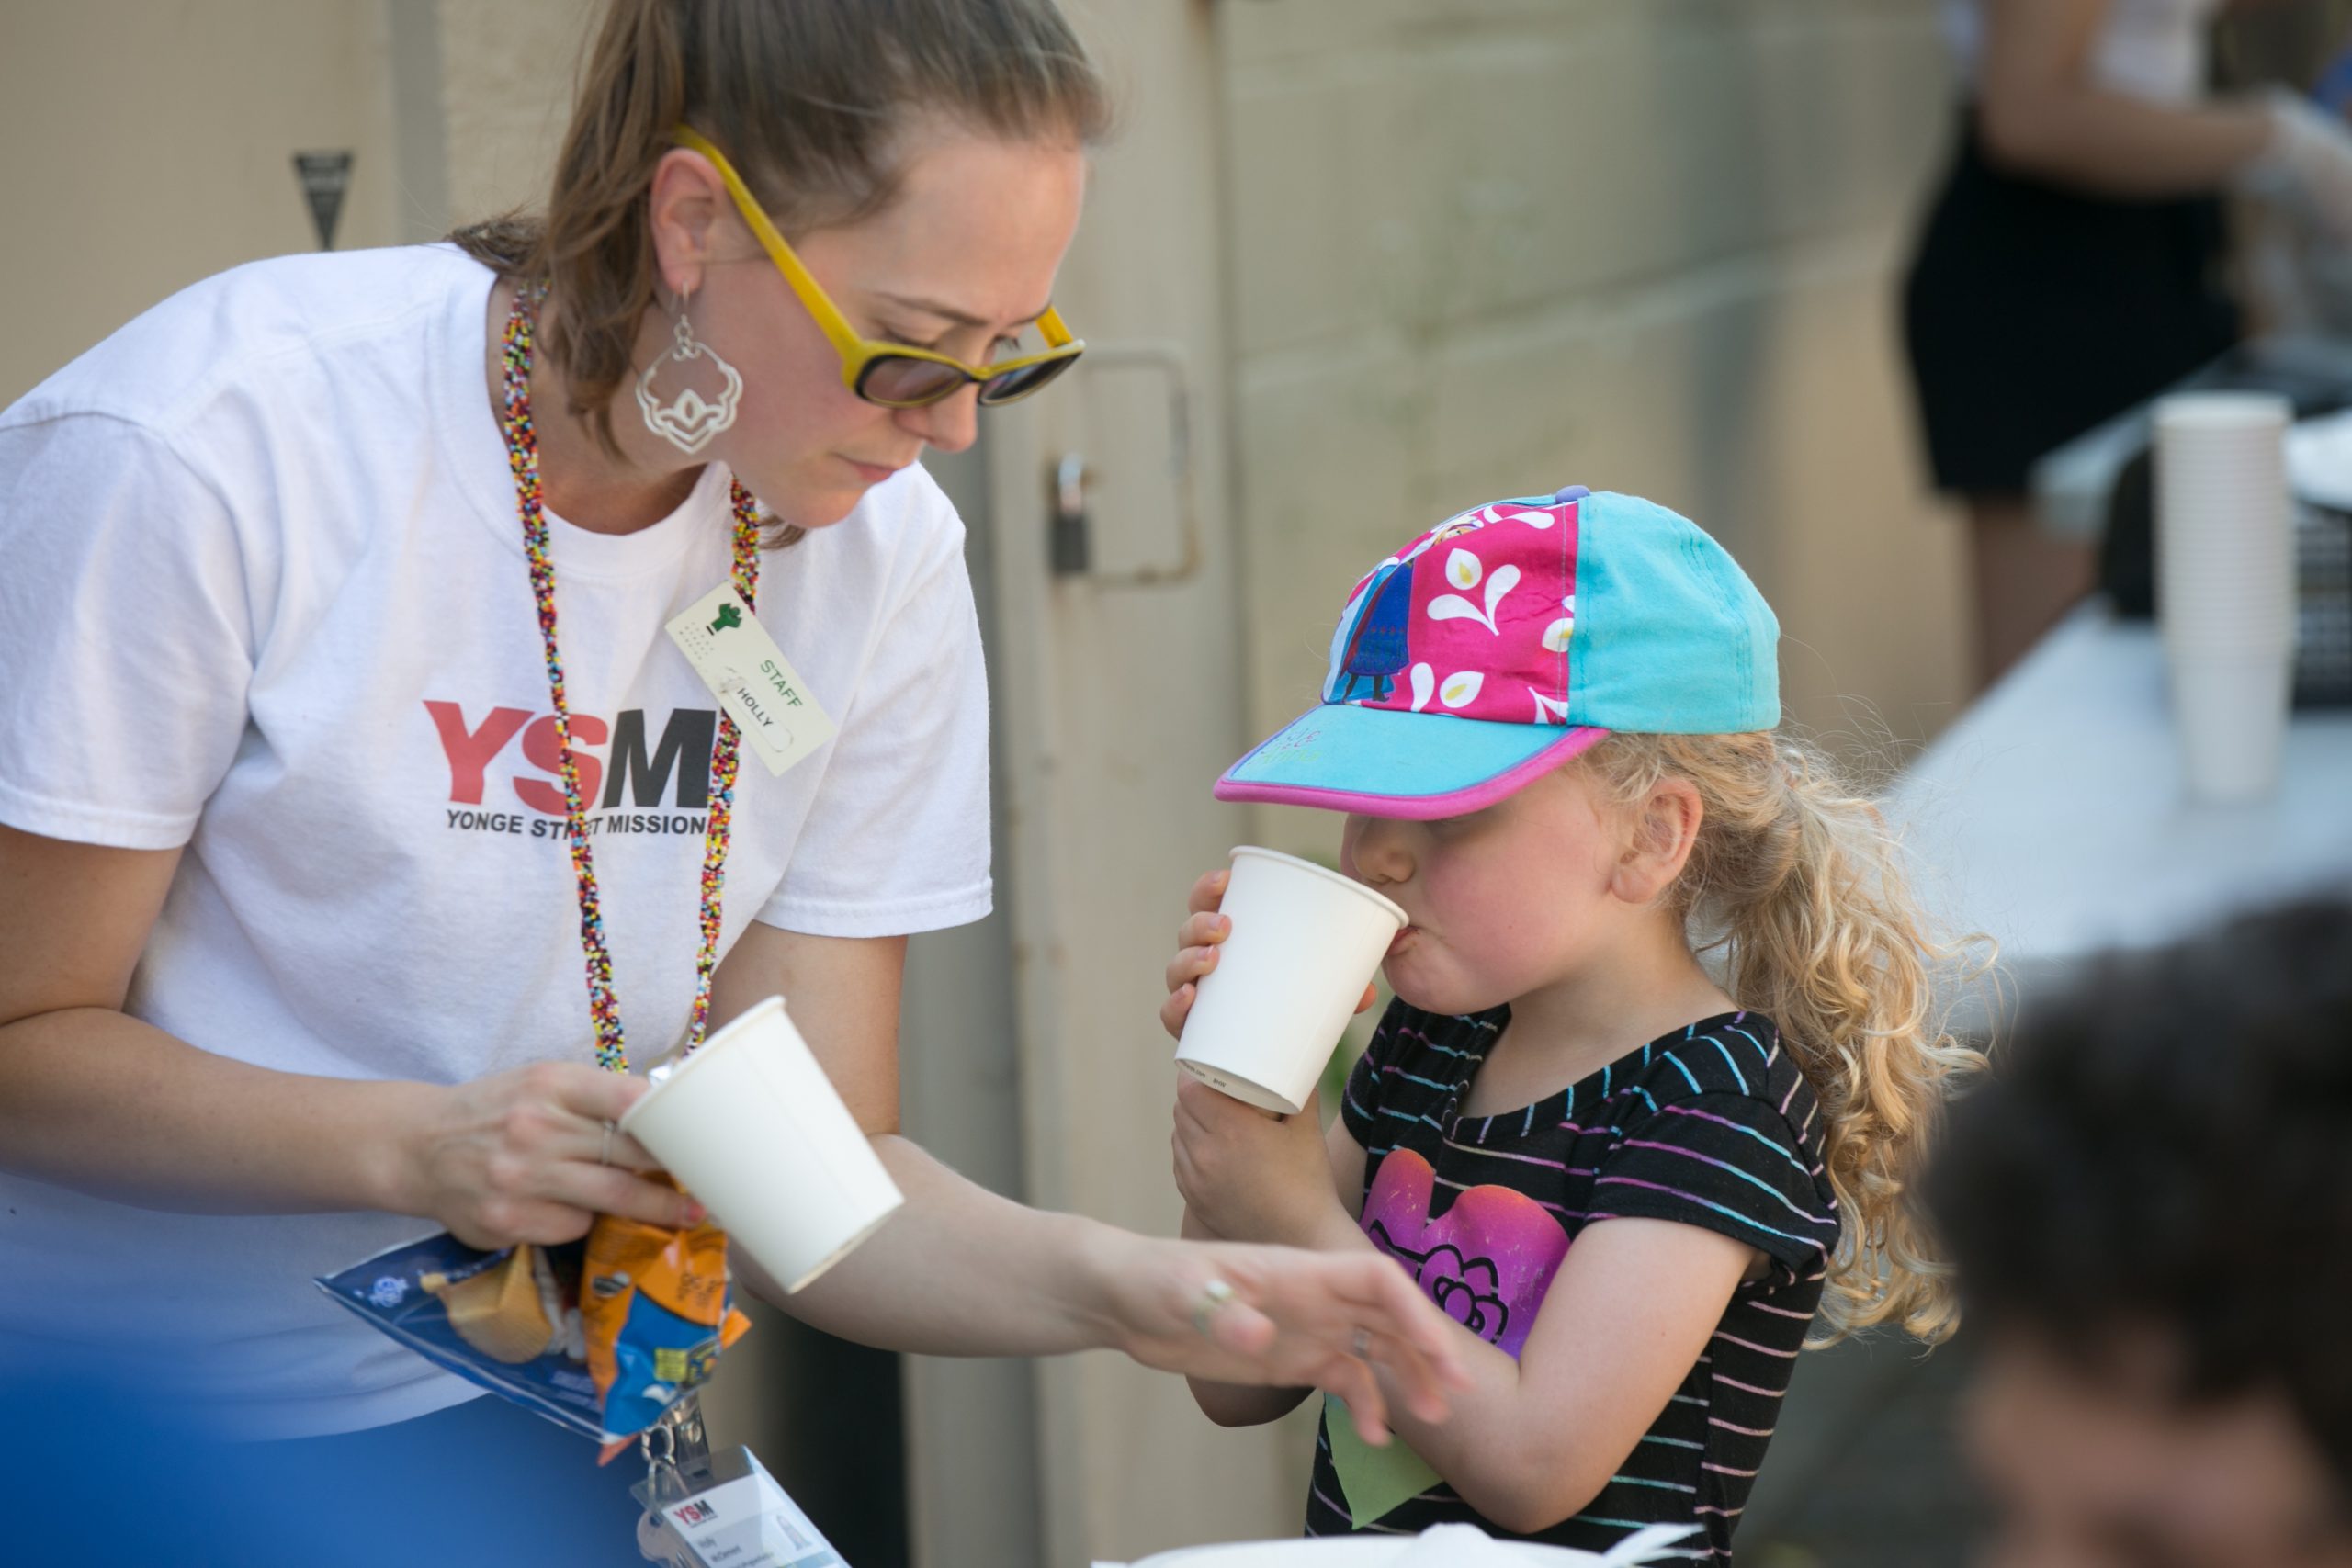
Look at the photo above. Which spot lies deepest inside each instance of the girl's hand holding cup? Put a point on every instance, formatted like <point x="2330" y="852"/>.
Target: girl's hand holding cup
<point x="1249" y="1173"/>
<point x="1197" y="941"/>
<point x="1251" y="1176"/>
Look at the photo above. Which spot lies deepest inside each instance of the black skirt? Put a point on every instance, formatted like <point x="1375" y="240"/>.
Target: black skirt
<point x="2033" y="313"/>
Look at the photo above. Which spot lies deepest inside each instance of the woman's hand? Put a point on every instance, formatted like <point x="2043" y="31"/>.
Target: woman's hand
<point x="2308" y="160"/>
<point x="522" y="1156"/>
<point x="1196" y="945"/>
<point x="1290" y="1319"/>
<point x="1251" y="1176"/>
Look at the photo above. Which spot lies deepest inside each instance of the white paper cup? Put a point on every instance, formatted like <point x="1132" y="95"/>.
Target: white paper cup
<point x="1304" y="944"/>
<point x="2230" y="711"/>
<point x="751" y="1125"/>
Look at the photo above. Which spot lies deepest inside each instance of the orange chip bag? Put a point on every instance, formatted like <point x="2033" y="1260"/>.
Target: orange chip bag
<point x="603" y="1335"/>
<point x="653" y="1311"/>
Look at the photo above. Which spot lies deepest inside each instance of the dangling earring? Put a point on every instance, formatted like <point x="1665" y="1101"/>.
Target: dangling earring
<point x="690" y="422"/>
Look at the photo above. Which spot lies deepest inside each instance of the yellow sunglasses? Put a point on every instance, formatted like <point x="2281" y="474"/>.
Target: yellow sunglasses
<point x="894" y="375"/>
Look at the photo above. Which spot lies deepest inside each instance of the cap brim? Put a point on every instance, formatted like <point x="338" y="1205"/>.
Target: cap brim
<point x="1387" y="764"/>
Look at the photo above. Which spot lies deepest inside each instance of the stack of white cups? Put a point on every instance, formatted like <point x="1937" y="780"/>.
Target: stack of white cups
<point x="2225" y="589"/>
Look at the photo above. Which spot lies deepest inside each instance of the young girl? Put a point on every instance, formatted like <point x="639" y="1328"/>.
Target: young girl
<point x="1637" y="1182"/>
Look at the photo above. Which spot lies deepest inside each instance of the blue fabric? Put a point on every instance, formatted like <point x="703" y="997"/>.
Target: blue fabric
<point x="1377" y="751"/>
<point x="1672" y="637"/>
<point x="105" y="1478"/>
<point x="1375" y="652"/>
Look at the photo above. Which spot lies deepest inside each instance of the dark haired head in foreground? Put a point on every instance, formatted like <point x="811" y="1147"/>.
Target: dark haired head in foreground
<point x="2151" y="1210"/>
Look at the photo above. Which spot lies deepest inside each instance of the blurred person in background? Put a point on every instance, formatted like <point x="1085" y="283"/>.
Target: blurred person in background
<point x="2071" y="265"/>
<point x="2150" y="1206"/>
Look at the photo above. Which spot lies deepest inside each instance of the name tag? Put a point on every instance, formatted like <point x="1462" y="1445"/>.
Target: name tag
<point x="751" y="678"/>
<point x="726" y="1512"/>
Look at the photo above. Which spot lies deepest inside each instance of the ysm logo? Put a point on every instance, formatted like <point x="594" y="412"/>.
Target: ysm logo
<point x="673" y="771"/>
<point x="694" y="1513"/>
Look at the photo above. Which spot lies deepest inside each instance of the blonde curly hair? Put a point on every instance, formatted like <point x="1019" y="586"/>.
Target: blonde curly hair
<point x="1796" y="883"/>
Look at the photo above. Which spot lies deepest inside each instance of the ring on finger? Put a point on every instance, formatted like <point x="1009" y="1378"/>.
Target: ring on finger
<point x="605" y="1154"/>
<point x="1361" y="1345"/>
<point x="1214" y="1294"/>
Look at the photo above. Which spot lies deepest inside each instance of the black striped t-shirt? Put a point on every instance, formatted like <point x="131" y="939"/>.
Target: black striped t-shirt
<point x="1711" y="1126"/>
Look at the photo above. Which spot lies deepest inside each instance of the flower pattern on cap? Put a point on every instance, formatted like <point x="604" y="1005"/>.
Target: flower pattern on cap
<point x="1480" y="629"/>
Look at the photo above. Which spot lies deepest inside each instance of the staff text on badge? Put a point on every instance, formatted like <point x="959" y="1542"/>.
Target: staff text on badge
<point x="751" y="678"/>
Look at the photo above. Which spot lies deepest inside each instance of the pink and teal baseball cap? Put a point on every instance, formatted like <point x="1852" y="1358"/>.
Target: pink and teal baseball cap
<point x="1510" y="637"/>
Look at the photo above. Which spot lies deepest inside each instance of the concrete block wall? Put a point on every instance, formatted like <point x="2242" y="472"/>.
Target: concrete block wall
<point x="1489" y="247"/>
<point x="145" y="145"/>
<point x="507" y="75"/>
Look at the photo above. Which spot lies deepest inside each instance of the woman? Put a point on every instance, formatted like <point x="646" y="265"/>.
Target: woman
<point x="309" y="819"/>
<point x="2071" y="265"/>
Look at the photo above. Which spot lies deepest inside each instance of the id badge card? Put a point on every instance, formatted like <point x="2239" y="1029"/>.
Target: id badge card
<point x="724" y="1510"/>
<point x="771" y="705"/>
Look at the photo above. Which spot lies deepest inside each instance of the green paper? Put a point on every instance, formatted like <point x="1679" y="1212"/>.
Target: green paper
<point x="1372" y="1480"/>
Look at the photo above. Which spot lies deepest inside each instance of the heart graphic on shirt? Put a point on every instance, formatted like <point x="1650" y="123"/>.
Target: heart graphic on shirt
<point x="1486" y="1262"/>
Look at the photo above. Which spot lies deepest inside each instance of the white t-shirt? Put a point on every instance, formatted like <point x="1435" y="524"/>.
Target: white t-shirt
<point x="2152" y="49"/>
<point x="263" y="594"/>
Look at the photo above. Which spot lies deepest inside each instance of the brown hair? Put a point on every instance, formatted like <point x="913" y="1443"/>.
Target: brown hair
<point x="809" y="100"/>
<point x="1797" y="881"/>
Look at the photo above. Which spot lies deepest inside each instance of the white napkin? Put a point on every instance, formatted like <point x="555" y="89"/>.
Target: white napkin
<point x="1468" y="1546"/>
<point x="1458" y="1546"/>
<point x="1452" y="1546"/>
<point x="1651" y="1545"/>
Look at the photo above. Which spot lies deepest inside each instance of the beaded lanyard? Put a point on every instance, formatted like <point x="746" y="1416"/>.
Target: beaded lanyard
<point x="522" y="455"/>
